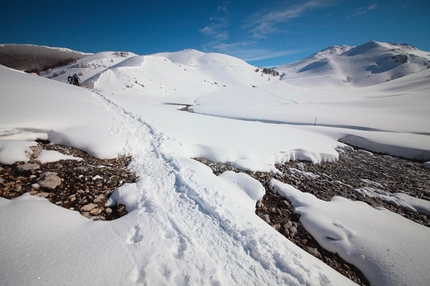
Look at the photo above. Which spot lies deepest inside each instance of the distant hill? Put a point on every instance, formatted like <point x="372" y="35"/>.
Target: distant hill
<point x="338" y="66"/>
<point x="32" y="58"/>
<point x="368" y="64"/>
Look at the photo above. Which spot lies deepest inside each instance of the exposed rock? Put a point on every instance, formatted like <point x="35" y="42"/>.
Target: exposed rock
<point x="36" y="151"/>
<point x="96" y="211"/>
<point x="314" y="252"/>
<point x="26" y="169"/>
<point x="99" y="200"/>
<point x="88" y="207"/>
<point x="42" y="194"/>
<point x="50" y="181"/>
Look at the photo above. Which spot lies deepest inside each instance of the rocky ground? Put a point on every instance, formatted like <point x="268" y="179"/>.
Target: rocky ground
<point x="86" y="185"/>
<point x="83" y="185"/>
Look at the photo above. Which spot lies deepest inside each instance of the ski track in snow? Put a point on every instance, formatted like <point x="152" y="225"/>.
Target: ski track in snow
<point x="181" y="212"/>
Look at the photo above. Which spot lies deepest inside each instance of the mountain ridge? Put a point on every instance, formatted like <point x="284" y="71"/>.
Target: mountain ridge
<point x="363" y="65"/>
<point x="367" y="64"/>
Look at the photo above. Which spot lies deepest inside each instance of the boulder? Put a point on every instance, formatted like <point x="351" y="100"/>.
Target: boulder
<point x="26" y="169"/>
<point x="49" y="181"/>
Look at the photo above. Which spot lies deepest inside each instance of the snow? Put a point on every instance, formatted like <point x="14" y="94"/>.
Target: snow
<point x="15" y="150"/>
<point x="47" y="156"/>
<point x="249" y="190"/>
<point x="399" y="199"/>
<point x="387" y="248"/>
<point x="185" y="225"/>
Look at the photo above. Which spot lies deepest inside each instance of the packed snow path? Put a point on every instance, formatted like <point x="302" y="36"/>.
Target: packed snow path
<point x="184" y="230"/>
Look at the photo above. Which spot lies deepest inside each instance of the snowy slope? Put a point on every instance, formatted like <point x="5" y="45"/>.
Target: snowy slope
<point x="187" y="226"/>
<point x="364" y="65"/>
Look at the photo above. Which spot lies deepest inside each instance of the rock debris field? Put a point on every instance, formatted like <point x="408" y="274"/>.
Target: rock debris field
<point x="86" y="185"/>
<point x="80" y="185"/>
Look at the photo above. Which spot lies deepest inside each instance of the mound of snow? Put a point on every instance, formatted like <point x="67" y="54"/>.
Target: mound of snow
<point x="387" y="248"/>
<point x="12" y="151"/>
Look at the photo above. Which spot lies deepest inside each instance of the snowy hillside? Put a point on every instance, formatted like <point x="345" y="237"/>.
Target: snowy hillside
<point x="364" y="65"/>
<point x="185" y="224"/>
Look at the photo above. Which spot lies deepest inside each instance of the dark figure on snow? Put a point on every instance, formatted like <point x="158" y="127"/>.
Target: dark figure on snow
<point x="69" y="79"/>
<point x="76" y="79"/>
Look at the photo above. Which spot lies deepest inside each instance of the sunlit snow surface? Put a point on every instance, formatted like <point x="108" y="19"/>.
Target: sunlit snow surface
<point x="387" y="248"/>
<point x="185" y="225"/>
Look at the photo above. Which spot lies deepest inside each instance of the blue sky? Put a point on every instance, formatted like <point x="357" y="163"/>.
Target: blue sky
<point x="263" y="33"/>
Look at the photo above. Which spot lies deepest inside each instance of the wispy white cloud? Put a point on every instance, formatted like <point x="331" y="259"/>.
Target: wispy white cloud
<point x="218" y="25"/>
<point x="262" y="25"/>
<point x="364" y="10"/>
<point x="248" y="51"/>
<point x="245" y="47"/>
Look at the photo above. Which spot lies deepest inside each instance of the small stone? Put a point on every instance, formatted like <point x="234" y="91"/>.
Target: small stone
<point x="293" y="230"/>
<point x="267" y="218"/>
<point x="300" y="166"/>
<point x="88" y="207"/>
<point x="95" y="211"/>
<point x="121" y="208"/>
<point x="35" y="186"/>
<point x="99" y="199"/>
<point x="277" y="226"/>
<point x="108" y="210"/>
<point x="42" y="194"/>
<point x="50" y="181"/>
<point x="259" y="204"/>
<point x="313" y="251"/>
<point x="288" y="224"/>
<point x="86" y="214"/>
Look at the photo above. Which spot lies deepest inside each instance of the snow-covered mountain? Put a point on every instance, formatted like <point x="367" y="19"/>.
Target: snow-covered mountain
<point x="364" y="65"/>
<point x="186" y="225"/>
<point x="337" y="86"/>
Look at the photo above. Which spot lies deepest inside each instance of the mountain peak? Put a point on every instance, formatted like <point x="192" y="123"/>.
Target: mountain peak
<point x="364" y="65"/>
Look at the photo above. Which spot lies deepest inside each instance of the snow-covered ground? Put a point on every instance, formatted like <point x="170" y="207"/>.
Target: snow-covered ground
<point x="186" y="225"/>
